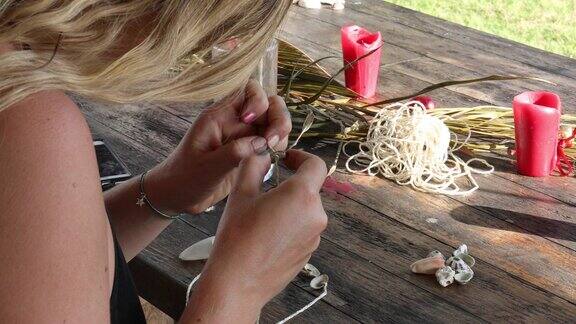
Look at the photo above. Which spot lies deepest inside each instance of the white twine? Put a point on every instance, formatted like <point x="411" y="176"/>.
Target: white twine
<point x="298" y="312"/>
<point x="411" y="147"/>
<point x="310" y="304"/>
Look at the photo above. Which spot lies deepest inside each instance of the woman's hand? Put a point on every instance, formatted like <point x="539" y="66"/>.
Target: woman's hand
<point x="263" y="240"/>
<point x="202" y="169"/>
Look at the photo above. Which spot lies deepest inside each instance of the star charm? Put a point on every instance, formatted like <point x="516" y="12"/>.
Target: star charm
<point x="140" y="202"/>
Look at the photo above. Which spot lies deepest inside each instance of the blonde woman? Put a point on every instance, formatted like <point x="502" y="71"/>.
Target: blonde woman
<point x="60" y="262"/>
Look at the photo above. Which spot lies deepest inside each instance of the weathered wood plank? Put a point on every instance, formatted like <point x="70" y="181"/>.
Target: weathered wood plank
<point x="363" y="290"/>
<point x="557" y="260"/>
<point x="504" y="245"/>
<point x="393" y="79"/>
<point x="368" y="306"/>
<point x="514" y="51"/>
<point x="327" y="23"/>
<point x="494" y="295"/>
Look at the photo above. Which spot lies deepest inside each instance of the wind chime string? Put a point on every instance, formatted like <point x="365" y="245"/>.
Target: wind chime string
<point x="411" y="147"/>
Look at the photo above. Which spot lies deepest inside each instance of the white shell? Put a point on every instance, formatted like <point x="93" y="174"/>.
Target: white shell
<point x="458" y="264"/>
<point x="462" y="249"/>
<point x="436" y="253"/>
<point x="310" y="4"/>
<point x="270" y="173"/>
<point x="462" y="253"/>
<point x="445" y="276"/>
<point x="311" y="270"/>
<point x="319" y="281"/>
<point x="428" y="265"/>
<point x="198" y="251"/>
<point x="463" y="277"/>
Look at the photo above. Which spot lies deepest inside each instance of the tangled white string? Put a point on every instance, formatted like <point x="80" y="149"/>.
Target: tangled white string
<point x="411" y="147"/>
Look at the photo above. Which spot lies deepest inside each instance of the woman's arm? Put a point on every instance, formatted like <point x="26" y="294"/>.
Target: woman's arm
<point x="56" y="251"/>
<point x="135" y="226"/>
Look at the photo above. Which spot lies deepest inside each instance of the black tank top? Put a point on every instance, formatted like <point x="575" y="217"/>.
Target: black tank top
<point x="125" y="307"/>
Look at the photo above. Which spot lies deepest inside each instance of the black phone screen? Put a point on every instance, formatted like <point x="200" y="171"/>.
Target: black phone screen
<point x="109" y="165"/>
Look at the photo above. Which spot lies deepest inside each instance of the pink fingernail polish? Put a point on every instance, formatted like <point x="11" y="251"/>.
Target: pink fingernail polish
<point x="248" y="117"/>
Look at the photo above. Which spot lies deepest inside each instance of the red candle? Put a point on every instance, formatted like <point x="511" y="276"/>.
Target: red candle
<point x="536" y="125"/>
<point x="362" y="76"/>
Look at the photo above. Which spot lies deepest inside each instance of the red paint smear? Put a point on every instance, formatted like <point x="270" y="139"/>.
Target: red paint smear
<point x="336" y="187"/>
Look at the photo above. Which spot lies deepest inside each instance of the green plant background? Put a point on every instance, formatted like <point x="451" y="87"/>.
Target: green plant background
<point x="545" y="24"/>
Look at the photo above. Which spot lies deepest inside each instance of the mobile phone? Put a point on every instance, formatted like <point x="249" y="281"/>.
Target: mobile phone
<point x="112" y="169"/>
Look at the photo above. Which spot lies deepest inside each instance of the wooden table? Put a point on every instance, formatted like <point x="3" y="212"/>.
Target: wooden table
<point x="521" y="230"/>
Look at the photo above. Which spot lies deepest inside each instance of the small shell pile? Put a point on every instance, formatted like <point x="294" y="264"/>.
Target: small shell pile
<point x="457" y="268"/>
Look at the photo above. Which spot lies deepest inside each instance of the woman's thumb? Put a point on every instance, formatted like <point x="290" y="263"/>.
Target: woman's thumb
<point x="251" y="175"/>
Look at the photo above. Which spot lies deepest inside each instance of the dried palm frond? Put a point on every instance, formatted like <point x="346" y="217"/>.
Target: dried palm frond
<point x="339" y="116"/>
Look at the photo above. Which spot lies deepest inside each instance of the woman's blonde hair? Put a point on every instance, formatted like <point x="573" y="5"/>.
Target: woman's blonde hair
<point x="77" y="46"/>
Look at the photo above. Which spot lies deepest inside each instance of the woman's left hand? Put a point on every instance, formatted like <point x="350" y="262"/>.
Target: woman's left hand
<point x="203" y="168"/>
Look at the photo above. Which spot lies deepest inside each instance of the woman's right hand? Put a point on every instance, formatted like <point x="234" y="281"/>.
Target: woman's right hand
<point x="263" y="240"/>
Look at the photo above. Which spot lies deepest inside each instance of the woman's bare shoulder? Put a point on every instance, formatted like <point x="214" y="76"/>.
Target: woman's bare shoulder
<point x="45" y="135"/>
<point x="53" y="226"/>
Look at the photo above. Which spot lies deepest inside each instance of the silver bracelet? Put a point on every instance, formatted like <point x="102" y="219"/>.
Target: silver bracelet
<point x="143" y="200"/>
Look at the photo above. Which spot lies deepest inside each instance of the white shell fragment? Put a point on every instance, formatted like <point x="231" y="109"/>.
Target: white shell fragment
<point x="457" y="264"/>
<point x="445" y="276"/>
<point x="462" y="253"/>
<point x="462" y="249"/>
<point x="311" y="270"/>
<point x="198" y="251"/>
<point x="463" y="277"/>
<point x="428" y="265"/>
<point x="462" y="263"/>
<point x="319" y="282"/>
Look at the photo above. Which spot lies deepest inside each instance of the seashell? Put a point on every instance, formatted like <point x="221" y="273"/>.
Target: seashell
<point x="463" y="277"/>
<point x="445" y="276"/>
<point x="319" y="282"/>
<point x="462" y="249"/>
<point x="468" y="259"/>
<point x="270" y="173"/>
<point x="311" y="270"/>
<point x="198" y="251"/>
<point x="462" y="253"/>
<point x="436" y="253"/>
<point x="428" y="265"/>
<point x="457" y="264"/>
<point x="310" y="4"/>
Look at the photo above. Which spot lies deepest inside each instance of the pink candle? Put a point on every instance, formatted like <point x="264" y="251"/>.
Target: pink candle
<point x="536" y="125"/>
<point x="362" y="76"/>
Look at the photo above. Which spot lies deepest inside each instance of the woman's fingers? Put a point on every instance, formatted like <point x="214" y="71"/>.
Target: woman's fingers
<point x="255" y="102"/>
<point x="309" y="168"/>
<point x="278" y="123"/>
<point x="251" y="175"/>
